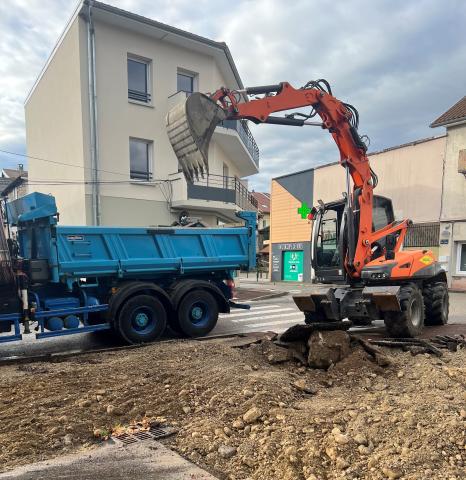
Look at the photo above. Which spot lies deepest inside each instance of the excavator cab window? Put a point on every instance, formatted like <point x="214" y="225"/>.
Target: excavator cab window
<point x="382" y="215"/>
<point x="327" y="251"/>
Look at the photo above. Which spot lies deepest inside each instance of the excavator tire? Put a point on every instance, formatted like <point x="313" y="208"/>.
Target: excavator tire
<point x="410" y="320"/>
<point x="436" y="303"/>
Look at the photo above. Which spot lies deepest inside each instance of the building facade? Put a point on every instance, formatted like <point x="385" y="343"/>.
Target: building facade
<point x="409" y="174"/>
<point x="263" y="229"/>
<point x="96" y="114"/>
<point x="453" y="199"/>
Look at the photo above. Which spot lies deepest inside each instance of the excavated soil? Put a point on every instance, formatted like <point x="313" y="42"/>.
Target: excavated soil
<point x="242" y="417"/>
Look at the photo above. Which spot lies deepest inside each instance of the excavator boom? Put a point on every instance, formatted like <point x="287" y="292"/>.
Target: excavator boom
<point x="378" y="280"/>
<point x="190" y="126"/>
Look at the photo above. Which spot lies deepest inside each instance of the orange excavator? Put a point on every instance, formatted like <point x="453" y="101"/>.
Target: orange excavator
<point x="361" y="271"/>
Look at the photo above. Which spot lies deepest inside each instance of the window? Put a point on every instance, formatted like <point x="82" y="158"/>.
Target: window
<point x="327" y="250"/>
<point x="382" y="212"/>
<point x="461" y="259"/>
<point x="184" y="83"/>
<point x="140" y="153"/>
<point x="138" y="80"/>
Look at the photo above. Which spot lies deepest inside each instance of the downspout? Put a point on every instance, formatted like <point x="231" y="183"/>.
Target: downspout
<point x="93" y="116"/>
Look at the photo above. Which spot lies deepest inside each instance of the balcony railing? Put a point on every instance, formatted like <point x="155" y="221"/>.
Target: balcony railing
<point x="222" y="189"/>
<point x="139" y="96"/>
<point x="240" y="126"/>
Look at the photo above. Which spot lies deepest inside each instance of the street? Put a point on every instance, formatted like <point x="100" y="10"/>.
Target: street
<point x="275" y="314"/>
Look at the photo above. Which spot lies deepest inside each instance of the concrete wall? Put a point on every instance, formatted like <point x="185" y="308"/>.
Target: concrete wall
<point x="55" y="130"/>
<point x="410" y="175"/>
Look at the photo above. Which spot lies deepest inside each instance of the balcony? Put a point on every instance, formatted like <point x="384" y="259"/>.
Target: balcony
<point x="216" y="193"/>
<point x="234" y="137"/>
<point x="241" y="127"/>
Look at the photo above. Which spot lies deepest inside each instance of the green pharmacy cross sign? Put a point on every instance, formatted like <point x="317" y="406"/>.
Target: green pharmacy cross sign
<point x="304" y="210"/>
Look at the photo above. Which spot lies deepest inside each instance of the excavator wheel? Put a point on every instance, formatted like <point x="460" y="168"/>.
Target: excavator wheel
<point x="410" y="320"/>
<point x="436" y="303"/>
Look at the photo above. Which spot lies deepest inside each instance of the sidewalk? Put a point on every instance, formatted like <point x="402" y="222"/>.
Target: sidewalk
<point x="250" y="281"/>
<point x="142" y="460"/>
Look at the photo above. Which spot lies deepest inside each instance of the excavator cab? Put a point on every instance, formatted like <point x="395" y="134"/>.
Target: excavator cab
<point x="331" y="238"/>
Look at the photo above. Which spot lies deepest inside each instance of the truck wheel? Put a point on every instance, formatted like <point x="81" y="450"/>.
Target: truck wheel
<point x="197" y="313"/>
<point x="436" y="303"/>
<point x="142" y="319"/>
<point x="408" y="322"/>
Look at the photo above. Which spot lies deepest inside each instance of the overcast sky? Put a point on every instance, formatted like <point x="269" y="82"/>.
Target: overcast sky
<point x="400" y="62"/>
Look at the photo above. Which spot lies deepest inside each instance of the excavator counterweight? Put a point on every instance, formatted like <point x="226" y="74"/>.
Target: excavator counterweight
<point x="190" y="126"/>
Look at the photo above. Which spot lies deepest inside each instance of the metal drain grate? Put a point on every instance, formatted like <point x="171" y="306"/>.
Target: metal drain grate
<point x="154" y="433"/>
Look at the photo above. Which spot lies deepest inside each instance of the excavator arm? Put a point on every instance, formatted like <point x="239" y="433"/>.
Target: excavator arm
<point x="190" y="127"/>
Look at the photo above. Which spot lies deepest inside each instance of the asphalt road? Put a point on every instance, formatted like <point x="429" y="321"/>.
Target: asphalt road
<point x="276" y="315"/>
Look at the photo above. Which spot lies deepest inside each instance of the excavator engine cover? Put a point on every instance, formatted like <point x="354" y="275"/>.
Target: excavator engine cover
<point x="190" y="126"/>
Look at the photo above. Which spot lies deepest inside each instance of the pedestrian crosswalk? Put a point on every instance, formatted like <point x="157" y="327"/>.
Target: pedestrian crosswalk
<point x="264" y="317"/>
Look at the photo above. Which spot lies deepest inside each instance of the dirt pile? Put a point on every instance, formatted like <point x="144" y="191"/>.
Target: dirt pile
<point x="247" y="414"/>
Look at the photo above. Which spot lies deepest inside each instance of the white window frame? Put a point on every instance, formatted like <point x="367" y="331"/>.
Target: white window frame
<point x="148" y="63"/>
<point x="150" y="152"/>
<point x="458" y="259"/>
<point x="188" y="73"/>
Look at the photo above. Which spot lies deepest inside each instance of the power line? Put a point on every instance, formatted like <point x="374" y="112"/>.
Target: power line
<point x="61" y="163"/>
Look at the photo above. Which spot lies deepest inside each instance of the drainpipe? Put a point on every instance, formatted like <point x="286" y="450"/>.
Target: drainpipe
<point x="93" y="115"/>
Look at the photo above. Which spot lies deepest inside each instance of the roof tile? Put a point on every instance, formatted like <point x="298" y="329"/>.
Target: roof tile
<point x="452" y="115"/>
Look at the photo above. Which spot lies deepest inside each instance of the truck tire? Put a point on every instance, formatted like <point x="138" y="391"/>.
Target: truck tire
<point x="409" y="321"/>
<point x="142" y="319"/>
<point x="436" y="303"/>
<point x="197" y="313"/>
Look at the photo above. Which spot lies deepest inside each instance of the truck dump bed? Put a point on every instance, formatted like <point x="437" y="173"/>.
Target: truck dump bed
<point x="74" y="252"/>
<point x="130" y="252"/>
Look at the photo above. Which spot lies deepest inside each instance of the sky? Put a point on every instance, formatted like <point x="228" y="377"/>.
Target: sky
<point x="400" y="62"/>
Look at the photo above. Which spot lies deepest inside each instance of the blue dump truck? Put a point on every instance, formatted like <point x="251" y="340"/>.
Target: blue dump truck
<point x="60" y="280"/>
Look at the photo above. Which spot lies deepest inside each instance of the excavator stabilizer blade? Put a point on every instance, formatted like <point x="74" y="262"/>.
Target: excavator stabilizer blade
<point x="190" y="126"/>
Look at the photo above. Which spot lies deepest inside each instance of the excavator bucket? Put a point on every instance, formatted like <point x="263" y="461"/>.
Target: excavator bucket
<point x="190" y="126"/>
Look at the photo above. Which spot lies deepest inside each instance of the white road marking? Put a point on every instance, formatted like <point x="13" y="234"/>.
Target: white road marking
<point x="267" y="317"/>
<point x="242" y="311"/>
<point x="262" y="312"/>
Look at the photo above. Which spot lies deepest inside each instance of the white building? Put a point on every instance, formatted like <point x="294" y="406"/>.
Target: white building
<point x="453" y="199"/>
<point x="96" y="115"/>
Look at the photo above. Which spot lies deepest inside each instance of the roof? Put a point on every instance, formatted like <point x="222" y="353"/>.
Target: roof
<point x="455" y="114"/>
<point x="263" y="201"/>
<point x="301" y="171"/>
<point x="409" y="144"/>
<point x="13" y="173"/>
<point x="167" y="33"/>
<point x="11" y="185"/>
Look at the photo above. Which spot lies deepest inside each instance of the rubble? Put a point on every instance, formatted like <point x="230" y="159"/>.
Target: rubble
<point x="249" y="418"/>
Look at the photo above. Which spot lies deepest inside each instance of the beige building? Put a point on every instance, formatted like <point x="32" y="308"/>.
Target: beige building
<point x="409" y="174"/>
<point x="96" y="114"/>
<point x="453" y="199"/>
